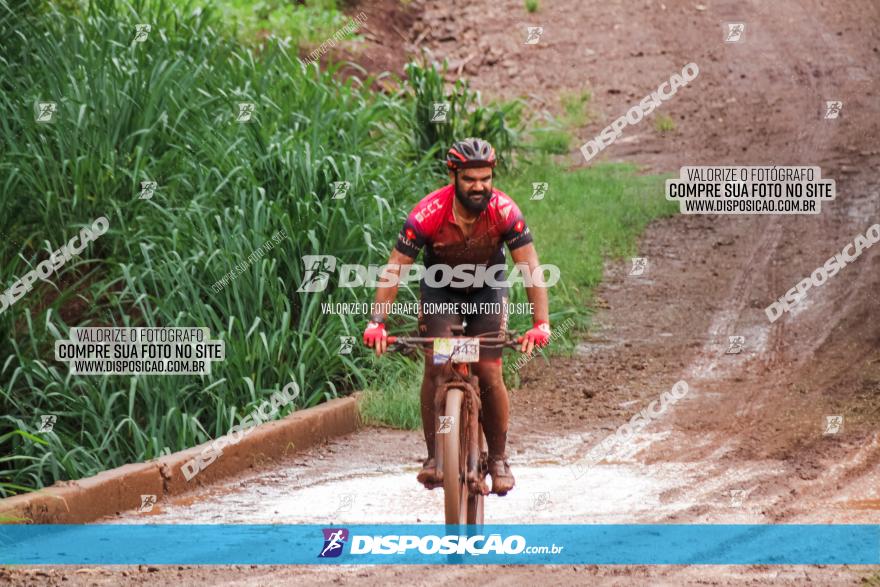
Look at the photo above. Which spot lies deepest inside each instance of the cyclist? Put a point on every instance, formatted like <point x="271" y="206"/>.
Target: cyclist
<point x="466" y="222"/>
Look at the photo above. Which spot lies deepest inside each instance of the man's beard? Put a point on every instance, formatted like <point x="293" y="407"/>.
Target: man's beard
<point x="474" y="205"/>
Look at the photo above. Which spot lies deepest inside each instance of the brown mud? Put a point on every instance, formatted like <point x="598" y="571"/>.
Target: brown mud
<point x="748" y="443"/>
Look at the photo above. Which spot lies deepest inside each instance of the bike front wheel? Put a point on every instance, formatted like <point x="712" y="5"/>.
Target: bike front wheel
<point x="455" y="491"/>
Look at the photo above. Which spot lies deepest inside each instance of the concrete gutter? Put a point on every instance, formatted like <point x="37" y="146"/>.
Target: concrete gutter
<point x="120" y="489"/>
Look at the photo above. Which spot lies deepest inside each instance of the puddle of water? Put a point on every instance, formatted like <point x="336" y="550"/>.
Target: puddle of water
<point x="543" y="449"/>
<point x="546" y="494"/>
<point x="805" y="304"/>
<point x="595" y="346"/>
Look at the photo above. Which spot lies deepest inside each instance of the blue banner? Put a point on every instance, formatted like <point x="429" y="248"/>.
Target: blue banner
<point x="217" y="544"/>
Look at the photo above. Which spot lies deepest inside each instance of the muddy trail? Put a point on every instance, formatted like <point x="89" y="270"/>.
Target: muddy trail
<point x="749" y="443"/>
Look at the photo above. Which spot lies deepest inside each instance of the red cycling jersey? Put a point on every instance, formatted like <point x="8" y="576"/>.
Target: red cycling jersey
<point x="432" y="223"/>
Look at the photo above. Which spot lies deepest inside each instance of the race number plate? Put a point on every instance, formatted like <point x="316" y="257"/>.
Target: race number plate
<point x="460" y="350"/>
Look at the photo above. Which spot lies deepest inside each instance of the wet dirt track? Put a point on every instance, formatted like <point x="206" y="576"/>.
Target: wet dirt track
<point x="746" y="444"/>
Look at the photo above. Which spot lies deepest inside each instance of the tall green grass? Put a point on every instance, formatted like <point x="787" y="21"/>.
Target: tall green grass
<point x="165" y="110"/>
<point x="501" y="123"/>
<point x="396" y="400"/>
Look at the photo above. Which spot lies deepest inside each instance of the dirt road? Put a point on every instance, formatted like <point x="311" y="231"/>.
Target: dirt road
<point x="748" y="443"/>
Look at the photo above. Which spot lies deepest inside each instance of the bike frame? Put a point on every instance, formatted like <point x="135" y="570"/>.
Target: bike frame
<point x="462" y="454"/>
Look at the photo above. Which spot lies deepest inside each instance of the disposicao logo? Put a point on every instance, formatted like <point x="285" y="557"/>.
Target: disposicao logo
<point x="319" y="269"/>
<point x="334" y="540"/>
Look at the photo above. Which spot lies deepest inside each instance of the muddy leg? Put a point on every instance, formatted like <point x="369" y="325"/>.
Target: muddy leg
<point x="429" y="418"/>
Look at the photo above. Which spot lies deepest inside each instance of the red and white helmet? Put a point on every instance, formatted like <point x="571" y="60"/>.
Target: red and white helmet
<point x="471" y="152"/>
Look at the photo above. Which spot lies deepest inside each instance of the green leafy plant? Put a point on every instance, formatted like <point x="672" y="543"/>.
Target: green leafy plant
<point x="552" y="141"/>
<point x="464" y="115"/>
<point x="307" y="23"/>
<point x="664" y="124"/>
<point x="575" y="108"/>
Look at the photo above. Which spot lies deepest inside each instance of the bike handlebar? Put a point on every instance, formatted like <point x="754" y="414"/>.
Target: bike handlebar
<point x="504" y="341"/>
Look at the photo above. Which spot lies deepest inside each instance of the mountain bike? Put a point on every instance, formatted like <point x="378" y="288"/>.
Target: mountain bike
<point x="460" y="449"/>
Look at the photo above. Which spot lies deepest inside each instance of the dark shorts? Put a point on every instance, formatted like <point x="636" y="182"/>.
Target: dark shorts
<point x="493" y="322"/>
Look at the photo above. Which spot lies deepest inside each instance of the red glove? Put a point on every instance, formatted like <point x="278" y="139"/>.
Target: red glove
<point x="539" y="333"/>
<point x="374" y="332"/>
